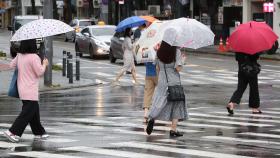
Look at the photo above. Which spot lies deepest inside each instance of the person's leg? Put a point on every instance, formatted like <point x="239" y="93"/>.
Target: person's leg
<point x="174" y="132"/>
<point x="148" y="94"/>
<point x="254" y="98"/>
<point x="119" y="75"/>
<point x="35" y="123"/>
<point x="134" y="75"/>
<point x="241" y="87"/>
<point x="174" y="125"/>
<point x="27" y="113"/>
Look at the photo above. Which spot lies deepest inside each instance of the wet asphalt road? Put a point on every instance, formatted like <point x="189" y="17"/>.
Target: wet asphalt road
<point x="106" y="121"/>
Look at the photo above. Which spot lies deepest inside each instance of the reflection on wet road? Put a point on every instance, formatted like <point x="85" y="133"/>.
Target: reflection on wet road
<point x="106" y="121"/>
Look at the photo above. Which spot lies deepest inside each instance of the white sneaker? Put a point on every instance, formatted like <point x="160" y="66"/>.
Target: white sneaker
<point x="13" y="138"/>
<point x="44" y="136"/>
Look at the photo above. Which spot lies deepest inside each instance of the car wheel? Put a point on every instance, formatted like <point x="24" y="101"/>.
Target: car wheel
<point x="91" y="52"/>
<point x="111" y="57"/>
<point x="66" y="39"/>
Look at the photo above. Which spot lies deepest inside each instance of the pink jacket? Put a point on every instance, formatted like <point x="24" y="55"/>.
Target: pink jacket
<point x="30" y="70"/>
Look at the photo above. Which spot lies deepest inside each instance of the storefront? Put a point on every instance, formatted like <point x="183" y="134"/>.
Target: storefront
<point x="6" y="12"/>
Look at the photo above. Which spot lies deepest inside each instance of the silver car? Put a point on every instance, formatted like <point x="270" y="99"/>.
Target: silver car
<point x="77" y="25"/>
<point x="95" y="40"/>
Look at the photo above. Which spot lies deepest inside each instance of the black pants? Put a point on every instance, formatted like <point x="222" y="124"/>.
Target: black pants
<point x="243" y="81"/>
<point x="30" y="114"/>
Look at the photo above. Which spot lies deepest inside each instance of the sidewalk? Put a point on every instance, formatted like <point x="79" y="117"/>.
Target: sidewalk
<point x="59" y="82"/>
<point x="214" y="50"/>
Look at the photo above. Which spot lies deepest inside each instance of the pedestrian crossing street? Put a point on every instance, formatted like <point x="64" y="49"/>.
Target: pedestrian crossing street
<point x="191" y="74"/>
<point x="206" y="134"/>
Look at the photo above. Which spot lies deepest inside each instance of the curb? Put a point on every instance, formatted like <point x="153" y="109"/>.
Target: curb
<point x="59" y="88"/>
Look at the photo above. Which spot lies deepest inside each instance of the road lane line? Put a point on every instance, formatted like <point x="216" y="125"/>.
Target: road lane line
<point x="38" y="154"/>
<point x="111" y="152"/>
<point x="230" y="139"/>
<point x="234" y="118"/>
<point x="232" y="122"/>
<point x="11" y="145"/>
<point x="177" y="150"/>
<point x="260" y="135"/>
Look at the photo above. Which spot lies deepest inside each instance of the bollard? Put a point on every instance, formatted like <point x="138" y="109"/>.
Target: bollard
<point x="64" y="63"/>
<point x="67" y="64"/>
<point x="70" y="68"/>
<point x="77" y="66"/>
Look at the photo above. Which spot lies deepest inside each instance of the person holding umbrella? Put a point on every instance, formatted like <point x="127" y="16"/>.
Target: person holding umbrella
<point x="30" y="70"/>
<point x="169" y="65"/>
<point x="128" y="58"/>
<point x="248" y="41"/>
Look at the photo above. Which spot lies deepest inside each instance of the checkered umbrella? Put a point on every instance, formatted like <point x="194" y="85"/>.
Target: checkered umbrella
<point x="41" y="28"/>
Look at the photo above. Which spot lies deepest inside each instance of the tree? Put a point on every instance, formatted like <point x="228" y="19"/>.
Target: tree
<point x="33" y="7"/>
<point x="55" y="12"/>
<point x="67" y="11"/>
<point x="90" y="8"/>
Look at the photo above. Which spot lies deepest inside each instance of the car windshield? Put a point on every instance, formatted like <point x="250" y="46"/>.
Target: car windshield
<point x="103" y="31"/>
<point x="86" y="23"/>
<point x="21" y="22"/>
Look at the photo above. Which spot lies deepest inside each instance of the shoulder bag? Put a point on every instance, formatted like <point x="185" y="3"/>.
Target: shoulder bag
<point x="176" y="92"/>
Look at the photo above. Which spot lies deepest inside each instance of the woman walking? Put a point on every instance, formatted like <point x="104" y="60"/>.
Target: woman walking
<point x="248" y="70"/>
<point x="128" y="58"/>
<point x="30" y="70"/>
<point x="169" y="65"/>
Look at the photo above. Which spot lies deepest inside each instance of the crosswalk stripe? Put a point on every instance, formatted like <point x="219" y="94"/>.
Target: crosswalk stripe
<point x="230" y="139"/>
<point x="42" y="155"/>
<point x="197" y="125"/>
<point x="102" y="74"/>
<point x="232" y="122"/>
<point x="135" y="132"/>
<point x="177" y="150"/>
<point x="10" y="145"/>
<point x="110" y="152"/>
<point x="234" y="118"/>
<point x="248" y="114"/>
<point x="266" y="111"/>
<point x="275" y="130"/>
<point x="194" y="81"/>
<point x="260" y="135"/>
<point x="208" y="78"/>
<point x="274" y="108"/>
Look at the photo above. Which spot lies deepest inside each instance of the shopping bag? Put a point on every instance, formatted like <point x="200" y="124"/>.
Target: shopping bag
<point x="144" y="55"/>
<point x="13" y="90"/>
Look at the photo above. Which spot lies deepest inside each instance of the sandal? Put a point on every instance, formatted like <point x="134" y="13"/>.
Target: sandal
<point x="230" y="107"/>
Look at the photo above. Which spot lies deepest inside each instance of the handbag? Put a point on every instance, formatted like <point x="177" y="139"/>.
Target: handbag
<point x="13" y="89"/>
<point x="176" y="92"/>
<point x="250" y="69"/>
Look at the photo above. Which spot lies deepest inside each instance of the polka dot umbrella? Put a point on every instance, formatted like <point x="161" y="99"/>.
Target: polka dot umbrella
<point x="41" y="28"/>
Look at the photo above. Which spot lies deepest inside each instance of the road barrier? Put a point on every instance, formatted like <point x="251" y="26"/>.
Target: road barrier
<point x="70" y="68"/>
<point x="64" y="63"/>
<point x="68" y="54"/>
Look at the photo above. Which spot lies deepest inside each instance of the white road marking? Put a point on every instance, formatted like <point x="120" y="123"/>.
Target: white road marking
<point x="260" y="135"/>
<point x="135" y="132"/>
<point x="266" y="111"/>
<point x="177" y="150"/>
<point x="102" y="74"/>
<point x="234" y="118"/>
<point x="252" y="115"/>
<point x="111" y="152"/>
<point x="272" y="66"/>
<point x="42" y="155"/>
<point x="208" y="78"/>
<point x="230" y="139"/>
<point x="194" y="81"/>
<point x="232" y="122"/>
<point x="10" y="145"/>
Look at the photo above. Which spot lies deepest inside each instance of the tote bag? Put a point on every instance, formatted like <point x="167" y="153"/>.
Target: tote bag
<point x="13" y="89"/>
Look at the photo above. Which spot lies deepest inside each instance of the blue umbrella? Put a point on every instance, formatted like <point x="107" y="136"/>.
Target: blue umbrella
<point x="129" y="23"/>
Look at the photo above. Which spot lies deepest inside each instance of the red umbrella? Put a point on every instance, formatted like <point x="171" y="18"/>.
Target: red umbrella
<point x="252" y="37"/>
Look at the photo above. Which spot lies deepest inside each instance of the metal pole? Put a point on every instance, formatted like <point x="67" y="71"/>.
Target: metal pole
<point x="64" y="63"/>
<point x="67" y="64"/>
<point x="77" y="66"/>
<point x="70" y="69"/>
<point x="48" y="14"/>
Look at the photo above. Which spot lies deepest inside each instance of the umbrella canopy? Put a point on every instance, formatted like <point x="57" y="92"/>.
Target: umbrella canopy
<point x="148" y="18"/>
<point x="188" y="33"/>
<point x="252" y="37"/>
<point x="129" y="23"/>
<point x="41" y="28"/>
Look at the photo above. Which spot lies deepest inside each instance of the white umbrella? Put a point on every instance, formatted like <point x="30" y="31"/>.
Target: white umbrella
<point x="41" y="28"/>
<point x="188" y="33"/>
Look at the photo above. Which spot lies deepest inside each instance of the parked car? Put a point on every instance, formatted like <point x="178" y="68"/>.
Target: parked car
<point x="77" y="25"/>
<point x="17" y="22"/>
<point x="95" y="40"/>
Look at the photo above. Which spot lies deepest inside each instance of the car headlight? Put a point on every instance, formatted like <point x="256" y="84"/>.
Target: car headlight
<point x="100" y="50"/>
